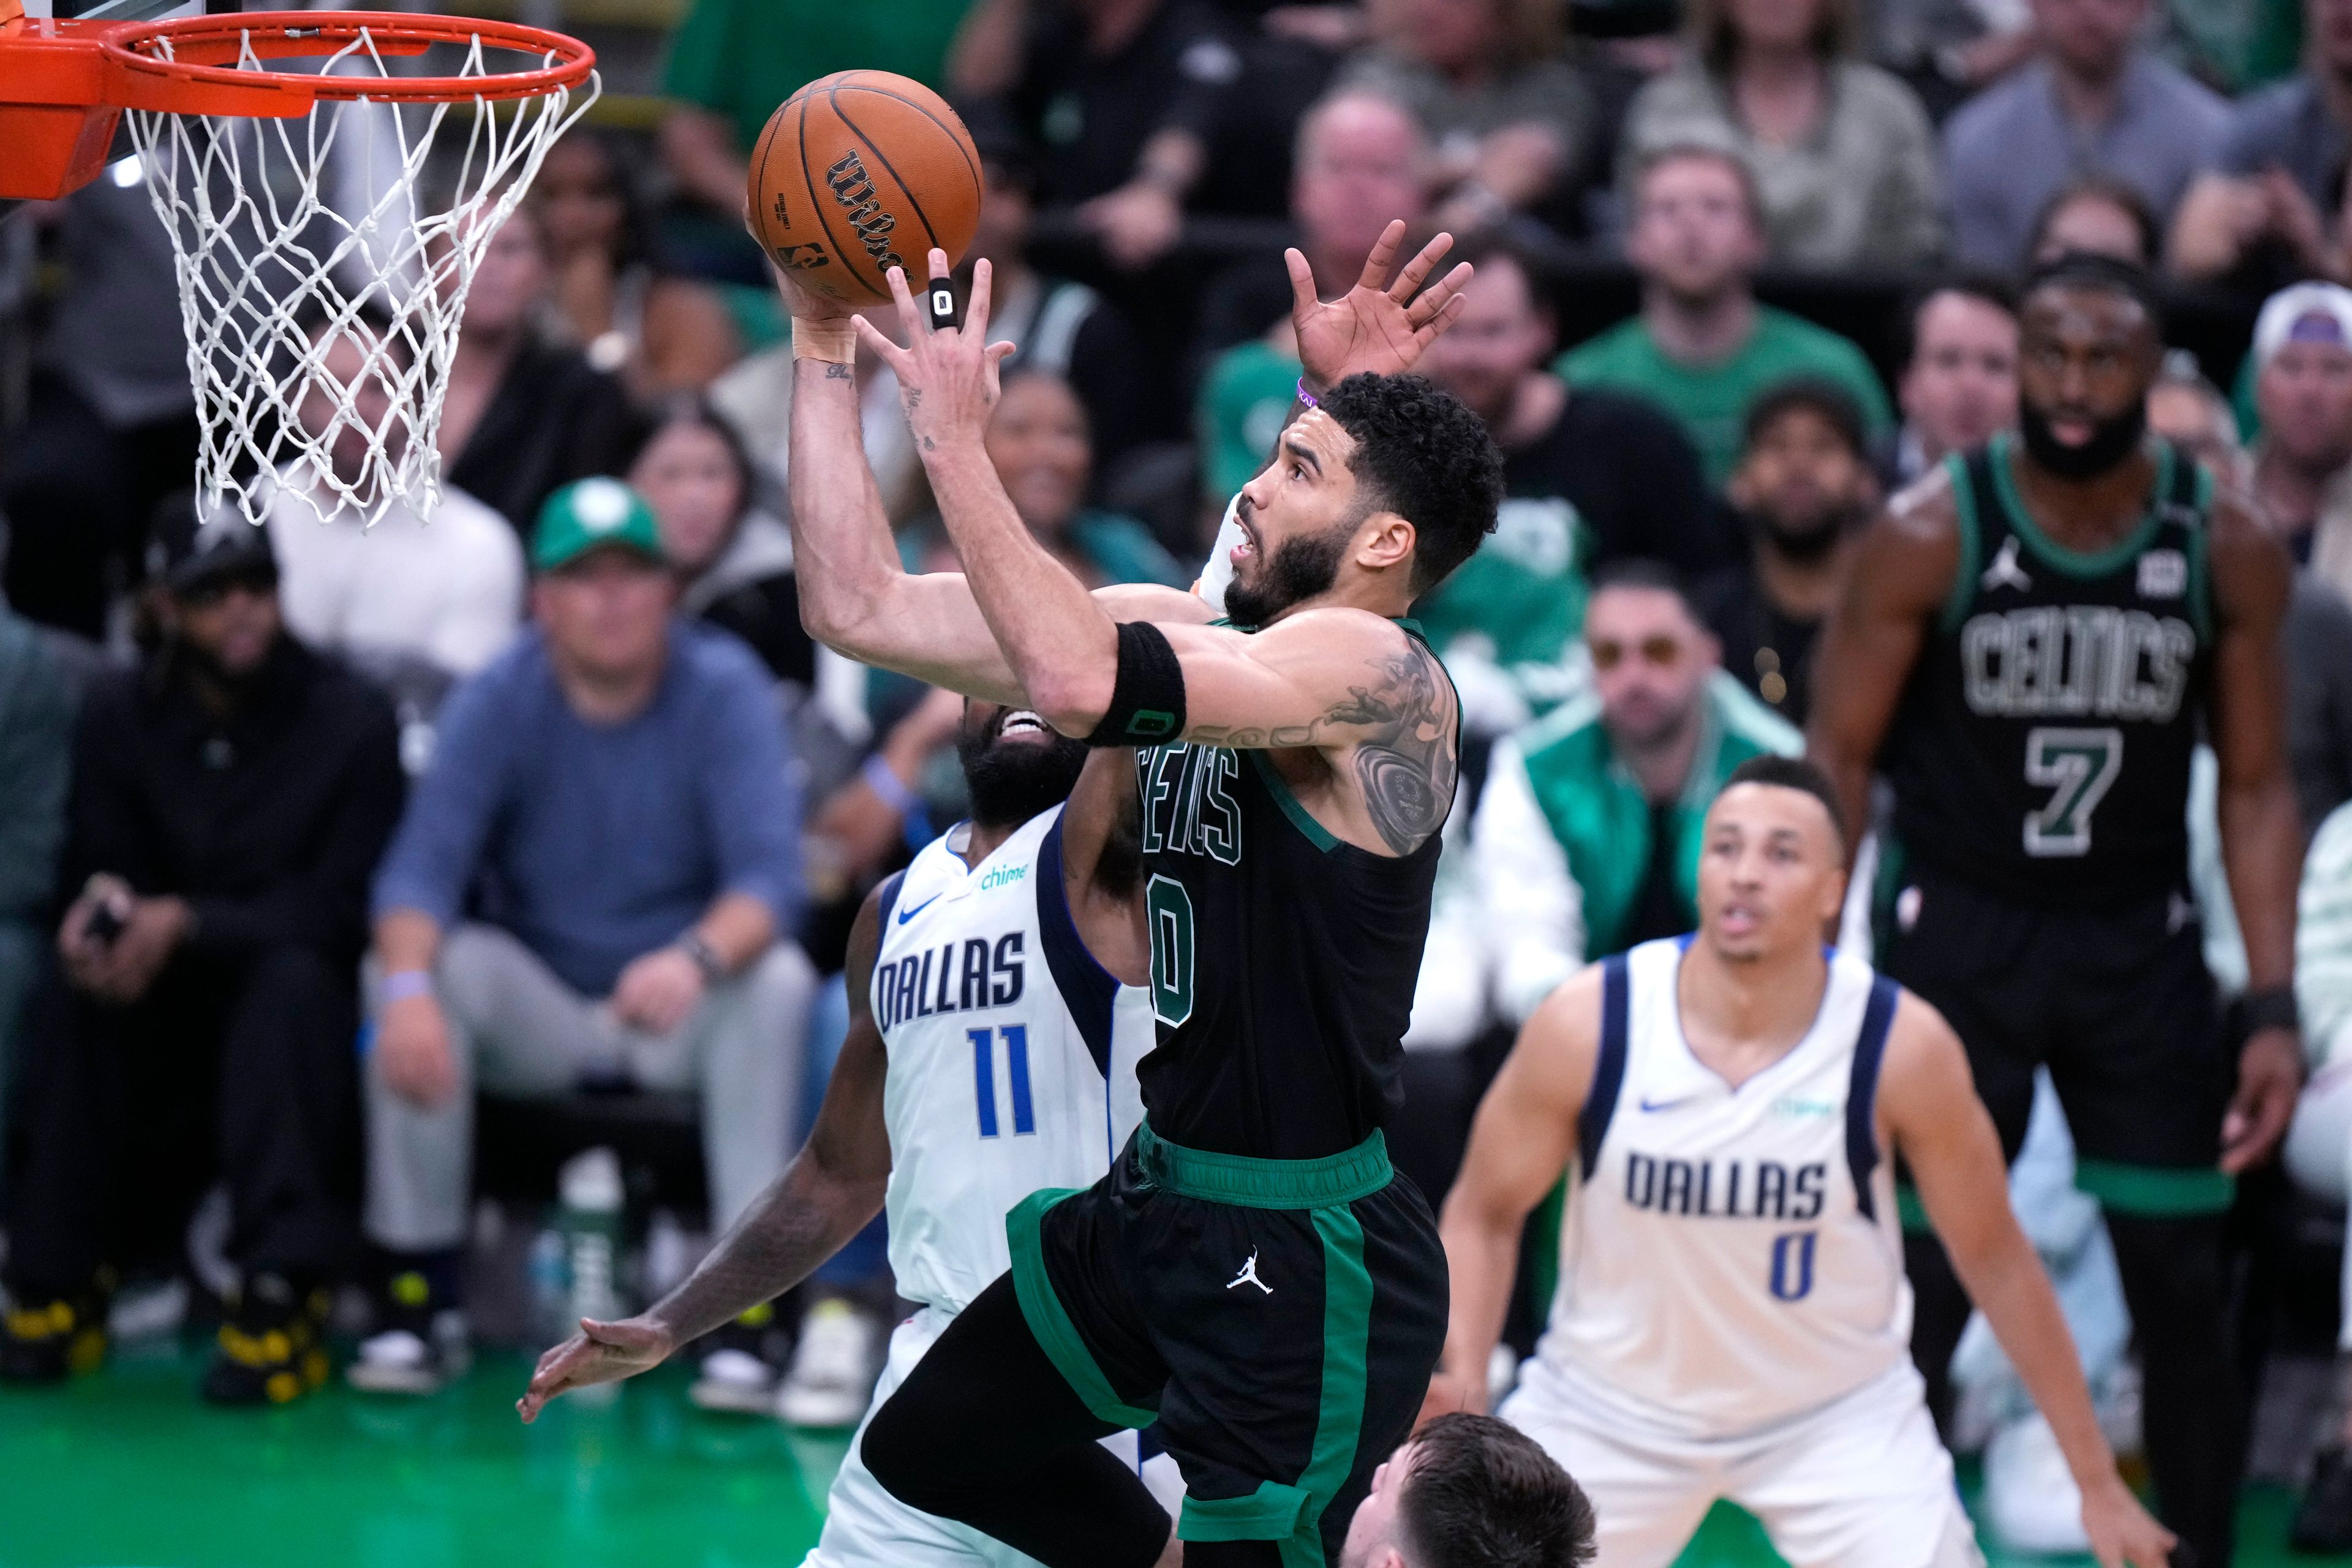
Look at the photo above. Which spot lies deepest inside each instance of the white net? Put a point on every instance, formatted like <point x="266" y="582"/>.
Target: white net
<point x="323" y="264"/>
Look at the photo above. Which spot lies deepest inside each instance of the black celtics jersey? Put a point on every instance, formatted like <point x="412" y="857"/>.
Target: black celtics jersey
<point x="2043" y="746"/>
<point x="1282" y="962"/>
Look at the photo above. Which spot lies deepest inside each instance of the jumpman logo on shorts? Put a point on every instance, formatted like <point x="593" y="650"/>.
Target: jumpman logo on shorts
<point x="1248" y="1276"/>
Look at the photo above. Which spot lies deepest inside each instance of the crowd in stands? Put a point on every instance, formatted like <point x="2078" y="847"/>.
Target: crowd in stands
<point x="550" y="796"/>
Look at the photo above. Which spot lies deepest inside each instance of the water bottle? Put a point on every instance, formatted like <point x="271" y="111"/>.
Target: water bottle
<point x="589" y="1220"/>
<point x="551" y="1288"/>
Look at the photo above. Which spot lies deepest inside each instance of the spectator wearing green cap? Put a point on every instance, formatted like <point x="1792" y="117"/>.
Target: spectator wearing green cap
<point x="595" y="885"/>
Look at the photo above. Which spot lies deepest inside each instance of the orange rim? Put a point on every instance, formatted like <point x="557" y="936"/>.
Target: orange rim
<point x="200" y="75"/>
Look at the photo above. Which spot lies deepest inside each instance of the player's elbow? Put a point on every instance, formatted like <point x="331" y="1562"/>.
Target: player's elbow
<point x="1073" y="700"/>
<point x="828" y="618"/>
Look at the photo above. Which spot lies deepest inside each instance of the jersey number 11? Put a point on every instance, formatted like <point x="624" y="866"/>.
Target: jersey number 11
<point x="984" y="1076"/>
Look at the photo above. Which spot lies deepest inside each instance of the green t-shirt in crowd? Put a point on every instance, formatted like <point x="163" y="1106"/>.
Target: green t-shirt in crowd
<point x="739" y="58"/>
<point x="1521" y="596"/>
<point x="1244" y="400"/>
<point x="1711" y="402"/>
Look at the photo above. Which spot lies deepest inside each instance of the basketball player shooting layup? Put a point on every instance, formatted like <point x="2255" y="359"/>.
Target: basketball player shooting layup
<point x="1732" y="1313"/>
<point x="1251" y="1272"/>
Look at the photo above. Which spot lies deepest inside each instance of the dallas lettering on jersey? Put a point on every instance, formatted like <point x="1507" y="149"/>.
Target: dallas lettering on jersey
<point x="954" y="977"/>
<point x="2071" y="660"/>
<point x="1739" y="1189"/>
<point x="1188" y="802"/>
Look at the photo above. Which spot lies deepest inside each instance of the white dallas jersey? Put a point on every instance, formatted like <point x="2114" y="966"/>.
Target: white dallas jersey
<point x="1731" y="1257"/>
<point x="1012" y="1054"/>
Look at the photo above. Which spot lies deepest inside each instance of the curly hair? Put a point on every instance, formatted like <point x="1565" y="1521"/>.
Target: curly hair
<point x="1421" y="453"/>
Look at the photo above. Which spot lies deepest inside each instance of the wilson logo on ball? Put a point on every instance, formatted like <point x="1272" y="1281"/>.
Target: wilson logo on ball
<point x="853" y="189"/>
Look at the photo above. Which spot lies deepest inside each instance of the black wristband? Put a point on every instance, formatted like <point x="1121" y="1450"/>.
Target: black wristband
<point x="1147" y="699"/>
<point x="2272" y="1008"/>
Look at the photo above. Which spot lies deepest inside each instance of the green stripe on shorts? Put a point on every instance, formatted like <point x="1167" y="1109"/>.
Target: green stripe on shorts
<point x="1347" y="1349"/>
<point x="1292" y="1516"/>
<point x="1050" y="1322"/>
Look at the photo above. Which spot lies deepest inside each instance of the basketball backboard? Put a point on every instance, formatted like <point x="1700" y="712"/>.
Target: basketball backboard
<point x="126" y="10"/>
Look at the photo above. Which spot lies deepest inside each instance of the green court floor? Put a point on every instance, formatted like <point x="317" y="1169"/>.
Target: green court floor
<point x="127" y="1469"/>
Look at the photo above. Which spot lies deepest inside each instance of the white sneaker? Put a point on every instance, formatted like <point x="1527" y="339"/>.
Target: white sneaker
<point x="735" y="1381"/>
<point x="834" y="1367"/>
<point x="402" y="1360"/>
<point x="2029" y="1498"/>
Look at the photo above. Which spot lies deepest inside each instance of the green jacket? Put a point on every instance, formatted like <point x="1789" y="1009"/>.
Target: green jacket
<point x="1563" y="832"/>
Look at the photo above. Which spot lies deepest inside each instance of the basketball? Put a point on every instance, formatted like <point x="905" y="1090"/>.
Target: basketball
<point x="860" y="171"/>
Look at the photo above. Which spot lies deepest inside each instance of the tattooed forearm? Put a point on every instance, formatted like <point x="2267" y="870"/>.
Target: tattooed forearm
<point x="804" y="1217"/>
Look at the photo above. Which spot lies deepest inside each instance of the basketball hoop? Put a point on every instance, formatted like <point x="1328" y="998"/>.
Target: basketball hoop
<point x="278" y="273"/>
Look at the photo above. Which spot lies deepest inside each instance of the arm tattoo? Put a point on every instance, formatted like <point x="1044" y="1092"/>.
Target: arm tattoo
<point x="1405" y="765"/>
<point x="1405" y="761"/>
<point x="839" y="373"/>
<point x="799" y="1222"/>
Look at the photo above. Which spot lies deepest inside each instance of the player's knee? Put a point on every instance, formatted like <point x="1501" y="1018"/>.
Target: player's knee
<point x="900" y="1452"/>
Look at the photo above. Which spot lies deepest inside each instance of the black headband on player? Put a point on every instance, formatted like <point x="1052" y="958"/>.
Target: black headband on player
<point x="1147" y="699"/>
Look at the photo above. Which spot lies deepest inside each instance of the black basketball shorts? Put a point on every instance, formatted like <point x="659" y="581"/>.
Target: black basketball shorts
<point x="1278" y="1318"/>
<point x="2116" y="1002"/>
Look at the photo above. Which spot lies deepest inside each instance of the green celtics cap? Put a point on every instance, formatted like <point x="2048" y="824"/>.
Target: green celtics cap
<point x="589" y="515"/>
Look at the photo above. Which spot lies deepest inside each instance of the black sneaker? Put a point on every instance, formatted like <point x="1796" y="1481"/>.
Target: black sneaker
<point x="271" y="1350"/>
<point x="735" y="1365"/>
<point x="50" y="1342"/>
<point x="2323" y="1520"/>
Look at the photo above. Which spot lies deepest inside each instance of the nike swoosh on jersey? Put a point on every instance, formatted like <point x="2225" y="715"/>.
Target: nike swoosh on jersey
<point x="906" y="915"/>
<point x="1649" y="1104"/>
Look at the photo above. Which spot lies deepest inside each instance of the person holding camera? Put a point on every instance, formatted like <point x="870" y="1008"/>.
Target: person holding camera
<point x="231" y="794"/>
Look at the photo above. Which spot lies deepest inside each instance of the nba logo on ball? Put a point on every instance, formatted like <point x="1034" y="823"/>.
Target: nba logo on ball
<point x="858" y="173"/>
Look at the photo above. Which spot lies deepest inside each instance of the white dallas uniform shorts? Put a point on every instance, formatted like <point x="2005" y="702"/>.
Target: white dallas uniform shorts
<point x="866" y="1527"/>
<point x="1861" y="1482"/>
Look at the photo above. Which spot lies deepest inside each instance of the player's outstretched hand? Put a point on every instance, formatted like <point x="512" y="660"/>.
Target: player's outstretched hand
<point x="2123" y="1533"/>
<point x="598" y="1353"/>
<point x="2270" y="1076"/>
<point x="946" y="374"/>
<point x="1378" y="326"/>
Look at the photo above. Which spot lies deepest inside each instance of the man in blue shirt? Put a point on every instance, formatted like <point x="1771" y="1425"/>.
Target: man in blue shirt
<point x="594" y="884"/>
<point x="2094" y="101"/>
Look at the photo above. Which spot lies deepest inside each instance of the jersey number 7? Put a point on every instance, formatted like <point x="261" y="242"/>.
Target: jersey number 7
<point x="984" y="1076"/>
<point x="2077" y="767"/>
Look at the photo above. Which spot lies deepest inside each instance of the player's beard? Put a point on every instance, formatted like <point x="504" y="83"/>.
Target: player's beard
<point x="1810" y="544"/>
<point x="1300" y="569"/>
<point x="2112" y="441"/>
<point x="1012" y="781"/>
